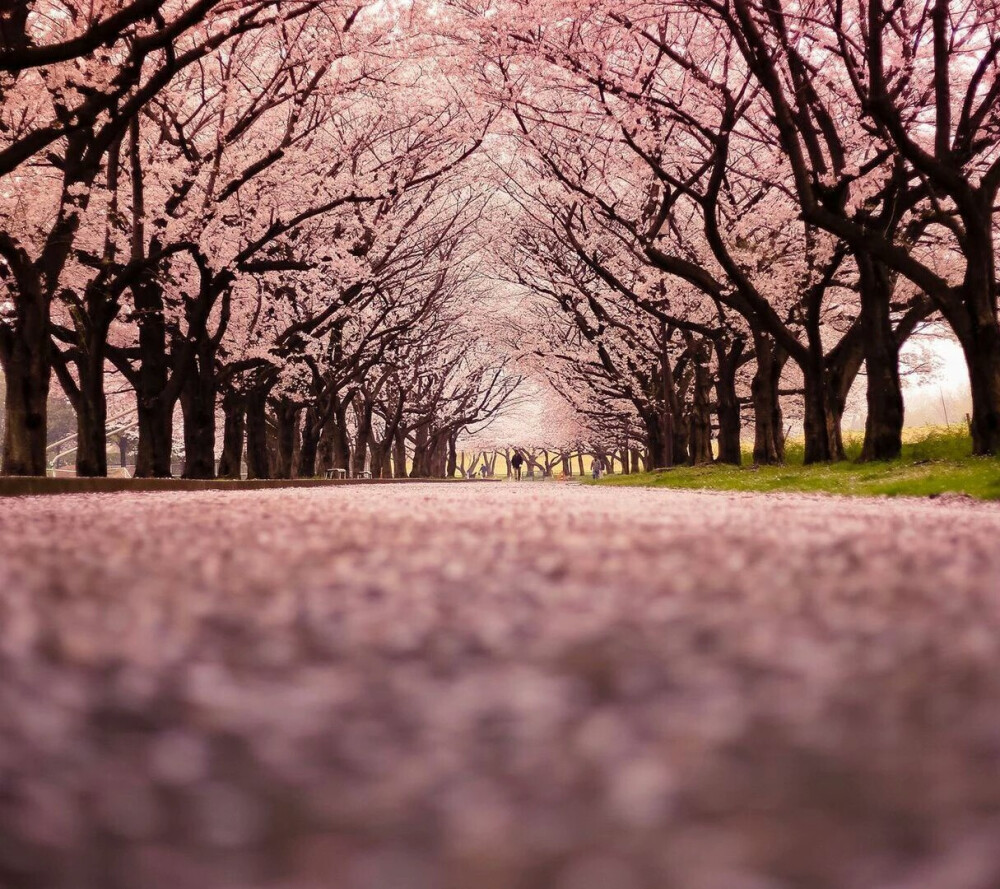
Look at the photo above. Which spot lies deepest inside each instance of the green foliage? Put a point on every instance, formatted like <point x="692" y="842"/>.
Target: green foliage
<point x="937" y="462"/>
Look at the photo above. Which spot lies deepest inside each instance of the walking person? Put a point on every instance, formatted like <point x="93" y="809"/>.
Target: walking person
<point x="516" y="462"/>
<point x="597" y="468"/>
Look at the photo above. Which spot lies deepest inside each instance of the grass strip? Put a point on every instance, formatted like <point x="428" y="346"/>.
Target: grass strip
<point x="934" y="462"/>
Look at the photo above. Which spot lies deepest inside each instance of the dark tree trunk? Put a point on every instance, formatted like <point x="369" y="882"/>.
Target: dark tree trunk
<point x="92" y="413"/>
<point x="975" y="324"/>
<point x="156" y="433"/>
<point x="636" y="460"/>
<point x="25" y="357"/>
<point x="421" y="444"/>
<point x="324" y="454"/>
<point x="701" y="417"/>
<point x="381" y="462"/>
<point x="981" y="345"/>
<point x="155" y="410"/>
<point x="287" y="413"/>
<point x="884" y="424"/>
<point x="399" y="455"/>
<point x="123" y="452"/>
<point x="311" y="429"/>
<point x="769" y="438"/>
<point x="821" y="423"/>
<point x="198" y="410"/>
<point x="340" y="441"/>
<point x="258" y="462"/>
<point x="660" y="441"/>
<point x="439" y="457"/>
<point x="452" y="464"/>
<point x="730" y="423"/>
<point x="234" y="411"/>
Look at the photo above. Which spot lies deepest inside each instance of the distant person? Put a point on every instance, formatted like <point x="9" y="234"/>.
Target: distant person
<point x="484" y="470"/>
<point x="516" y="462"/>
<point x="597" y="467"/>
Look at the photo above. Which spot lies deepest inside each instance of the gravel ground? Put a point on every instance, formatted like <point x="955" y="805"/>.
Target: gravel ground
<point x="498" y="687"/>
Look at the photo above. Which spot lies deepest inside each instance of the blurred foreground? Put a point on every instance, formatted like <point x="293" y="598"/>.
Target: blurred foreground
<point x="498" y="686"/>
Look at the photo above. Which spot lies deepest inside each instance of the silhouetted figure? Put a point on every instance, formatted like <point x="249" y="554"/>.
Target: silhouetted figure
<point x="597" y="467"/>
<point x="516" y="462"/>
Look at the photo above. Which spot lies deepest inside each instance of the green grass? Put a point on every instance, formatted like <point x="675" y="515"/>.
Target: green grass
<point x="933" y="462"/>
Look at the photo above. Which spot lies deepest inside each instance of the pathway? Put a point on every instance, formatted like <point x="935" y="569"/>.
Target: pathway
<point x="496" y="686"/>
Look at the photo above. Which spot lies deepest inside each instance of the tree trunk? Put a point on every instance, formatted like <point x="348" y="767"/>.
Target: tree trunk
<point x="978" y="331"/>
<point x="769" y="439"/>
<point x="420" y="455"/>
<point x="659" y="440"/>
<point x="884" y="424"/>
<point x="636" y="460"/>
<point x="198" y="410"/>
<point x="730" y="424"/>
<point x="701" y="417"/>
<point x="399" y="455"/>
<point x="24" y="355"/>
<point x="287" y="413"/>
<point x="258" y="463"/>
<point x="340" y="440"/>
<point x="362" y="438"/>
<point x="155" y="411"/>
<point x="438" y="456"/>
<point x="311" y="429"/>
<point x="821" y="424"/>
<point x="452" y="464"/>
<point x="981" y="345"/>
<point x="385" y="460"/>
<point x="821" y="421"/>
<point x="156" y="438"/>
<point x="233" y="432"/>
<point x="92" y="413"/>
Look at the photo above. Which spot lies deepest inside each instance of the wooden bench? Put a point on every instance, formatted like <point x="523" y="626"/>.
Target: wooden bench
<point x="336" y="473"/>
<point x="365" y="473"/>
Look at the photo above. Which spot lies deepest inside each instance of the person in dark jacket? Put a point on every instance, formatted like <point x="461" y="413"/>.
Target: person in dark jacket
<point x="516" y="462"/>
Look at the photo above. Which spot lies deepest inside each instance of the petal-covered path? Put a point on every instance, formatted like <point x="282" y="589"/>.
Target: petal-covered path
<point x="474" y="686"/>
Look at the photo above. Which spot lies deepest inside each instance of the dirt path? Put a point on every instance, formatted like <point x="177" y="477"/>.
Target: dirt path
<point x="531" y="686"/>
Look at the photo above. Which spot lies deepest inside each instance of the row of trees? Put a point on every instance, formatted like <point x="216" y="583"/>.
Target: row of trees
<point x="730" y="202"/>
<point x="260" y="209"/>
<point x="340" y="232"/>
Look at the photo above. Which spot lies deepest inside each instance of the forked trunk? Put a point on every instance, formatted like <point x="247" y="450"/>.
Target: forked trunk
<point x="769" y="438"/>
<point x="884" y="424"/>
<point x="823" y="443"/>
<point x="198" y="410"/>
<point x="728" y="410"/>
